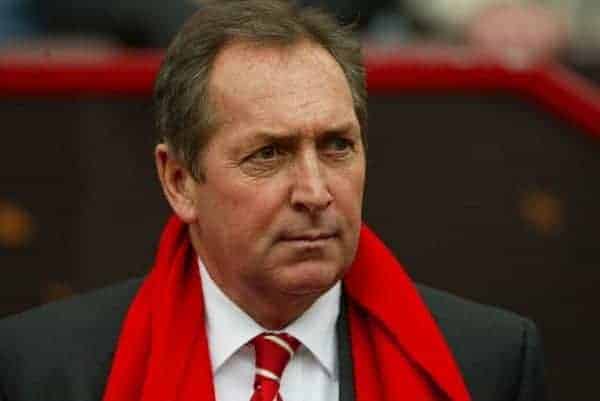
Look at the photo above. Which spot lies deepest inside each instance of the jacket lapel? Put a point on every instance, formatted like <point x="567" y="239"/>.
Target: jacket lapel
<point x="106" y="344"/>
<point x="345" y="364"/>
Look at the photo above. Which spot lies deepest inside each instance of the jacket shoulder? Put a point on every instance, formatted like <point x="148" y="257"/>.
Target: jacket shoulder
<point x="99" y="308"/>
<point x="494" y="348"/>
<point x="467" y="315"/>
<point x="65" y="339"/>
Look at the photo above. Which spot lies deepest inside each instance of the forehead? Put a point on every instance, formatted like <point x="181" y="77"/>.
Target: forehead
<point x="284" y="85"/>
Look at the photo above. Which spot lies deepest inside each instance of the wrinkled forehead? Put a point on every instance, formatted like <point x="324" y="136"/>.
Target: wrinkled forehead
<point x="250" y="78"/>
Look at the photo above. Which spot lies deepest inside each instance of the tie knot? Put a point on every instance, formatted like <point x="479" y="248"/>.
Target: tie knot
<point x="273" y="351"/>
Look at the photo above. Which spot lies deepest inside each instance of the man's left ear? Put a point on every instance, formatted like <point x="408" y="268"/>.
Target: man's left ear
<point x="177" y="183"/>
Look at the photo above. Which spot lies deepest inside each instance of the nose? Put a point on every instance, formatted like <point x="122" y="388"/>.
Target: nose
<point x="310" y="190"/>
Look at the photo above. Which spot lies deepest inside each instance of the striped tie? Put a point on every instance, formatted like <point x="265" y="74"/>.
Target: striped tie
<point x="273" y="352"/>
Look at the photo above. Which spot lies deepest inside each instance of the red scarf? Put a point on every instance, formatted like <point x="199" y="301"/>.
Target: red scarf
<point x="398" y="351"/>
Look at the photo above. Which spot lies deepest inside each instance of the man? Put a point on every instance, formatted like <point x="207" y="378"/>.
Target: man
<point x="265" y="286"/>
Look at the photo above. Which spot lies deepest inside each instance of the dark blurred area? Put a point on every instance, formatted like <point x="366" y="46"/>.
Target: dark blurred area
<point x="519" y="31"/>
<point x="483" y="193"/>
<point x="130" y="23"/>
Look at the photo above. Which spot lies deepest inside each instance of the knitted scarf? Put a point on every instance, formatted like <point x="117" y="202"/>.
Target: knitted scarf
<point x="398" y="351"/>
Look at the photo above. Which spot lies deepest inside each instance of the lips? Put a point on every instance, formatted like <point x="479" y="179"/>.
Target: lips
<point x="309" y="236"/>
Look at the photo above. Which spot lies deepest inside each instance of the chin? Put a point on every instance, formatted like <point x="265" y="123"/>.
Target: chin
<point x="310" y="277"/>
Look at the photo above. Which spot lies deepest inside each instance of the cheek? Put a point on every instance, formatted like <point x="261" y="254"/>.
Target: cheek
<point x="349" y="195"/>
<point x="252" y="208"/>
<point x="349" y="188"/>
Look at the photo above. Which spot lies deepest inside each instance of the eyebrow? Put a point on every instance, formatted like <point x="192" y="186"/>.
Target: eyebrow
<point x="268" y="136"/>
<point x="259" y="137"/>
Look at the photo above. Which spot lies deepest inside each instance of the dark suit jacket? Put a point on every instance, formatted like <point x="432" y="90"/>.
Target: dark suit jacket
<point x="63" y="351"/>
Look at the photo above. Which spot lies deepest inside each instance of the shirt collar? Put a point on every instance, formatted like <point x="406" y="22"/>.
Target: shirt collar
<point x="229" y="328"/>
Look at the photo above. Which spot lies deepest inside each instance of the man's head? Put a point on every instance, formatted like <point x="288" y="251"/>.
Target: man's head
<point x="277" y="212"/>
<point x="185" y="116"/>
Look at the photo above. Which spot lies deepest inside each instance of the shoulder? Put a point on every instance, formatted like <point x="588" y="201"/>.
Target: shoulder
<point x="469" y="317"/>
<point x="70" y="316"/>
<point x="494" y="348"/>
<point x="67" y="338"/>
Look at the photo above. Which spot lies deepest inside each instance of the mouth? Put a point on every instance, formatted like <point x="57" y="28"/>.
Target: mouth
<point x="309" y="237"/>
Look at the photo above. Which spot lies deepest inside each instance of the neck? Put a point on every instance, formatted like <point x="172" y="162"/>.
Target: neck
<point x="271" y="311"/>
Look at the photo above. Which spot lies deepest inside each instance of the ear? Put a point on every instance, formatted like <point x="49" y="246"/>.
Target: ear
<point x="177" y="183"/>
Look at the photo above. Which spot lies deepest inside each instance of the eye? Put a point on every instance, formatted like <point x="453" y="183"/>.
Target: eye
<point x="338" y="145"/>
<point x="266" y="153"/>
<point x="264" y="160"/>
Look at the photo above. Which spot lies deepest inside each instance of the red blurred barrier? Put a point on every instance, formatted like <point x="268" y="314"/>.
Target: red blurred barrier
<point x="132" y="73"/>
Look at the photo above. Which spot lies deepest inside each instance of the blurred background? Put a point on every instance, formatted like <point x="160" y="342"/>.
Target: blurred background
<point x="484" y="152"/>
<point x="567" y="29"/>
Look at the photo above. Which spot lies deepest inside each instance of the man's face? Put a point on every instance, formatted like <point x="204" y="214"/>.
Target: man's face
<point x="279" y="213"/>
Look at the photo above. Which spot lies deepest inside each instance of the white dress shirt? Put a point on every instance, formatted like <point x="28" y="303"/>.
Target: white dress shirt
<point x="311" y="375"/>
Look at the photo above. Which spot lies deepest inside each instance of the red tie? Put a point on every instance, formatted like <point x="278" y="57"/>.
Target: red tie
<point x="273" y="352"/>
